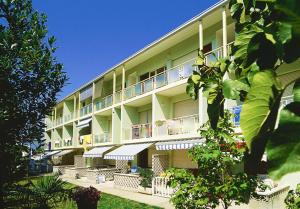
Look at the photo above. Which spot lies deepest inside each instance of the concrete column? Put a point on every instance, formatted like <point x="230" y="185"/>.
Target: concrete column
<point x="200" y="35"/>
<point x="202" y="100"/>
<point x="114" y="87"/>
<point x="224" y="26"/>
<point x="123" y="82"/>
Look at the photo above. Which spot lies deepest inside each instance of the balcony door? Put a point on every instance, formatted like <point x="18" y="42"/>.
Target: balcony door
<point x="145" y="117"/>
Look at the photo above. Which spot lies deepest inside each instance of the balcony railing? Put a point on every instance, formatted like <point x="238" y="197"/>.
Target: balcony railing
<point x="139" y="131"/>
<point x="104" y="102"/>
<point x="68" y="142"/>
<point x="182" y="125"/>
<point x="216" y="54"/>
<point x="286" y="100"/>
<point x="57" y="143"/>
<point x="118" y="97"/>
<point x="139" y="88"/>
<point x="102" y="138"/>
<point x="68" y="117"/>
<point x="177" y="73"/>
<point x="59" y="121"/>
<point x="86" y="110"/>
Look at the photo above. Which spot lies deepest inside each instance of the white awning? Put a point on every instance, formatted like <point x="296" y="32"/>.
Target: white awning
<point x="179" y="144"/>
<point x="63" y="152"/>
<point x="84" y="123"/>
<point x="96" y="152"/>
<point x="127" y="152"/>
<point x="49" y="154"/>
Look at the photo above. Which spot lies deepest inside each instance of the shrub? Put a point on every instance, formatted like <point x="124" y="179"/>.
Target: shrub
<point x="86" y="198"/>
<point x="146" y="175"/>
<point x="292" y="200"/>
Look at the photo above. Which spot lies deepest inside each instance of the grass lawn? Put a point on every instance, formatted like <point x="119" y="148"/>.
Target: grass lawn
<point x="107" y="201"/>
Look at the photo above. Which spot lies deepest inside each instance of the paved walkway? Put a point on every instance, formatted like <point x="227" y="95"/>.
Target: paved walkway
<point x="107" y="187"/>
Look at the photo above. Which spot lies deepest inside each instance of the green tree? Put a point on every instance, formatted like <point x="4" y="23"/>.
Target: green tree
<point x="267" y="41"/>
<point x="220" y="180"/>
<point x="30" y="78"/>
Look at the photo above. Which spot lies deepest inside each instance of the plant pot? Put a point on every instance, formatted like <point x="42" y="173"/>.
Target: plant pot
<point x="145" y="190"/>
<point x="87" y="205"/>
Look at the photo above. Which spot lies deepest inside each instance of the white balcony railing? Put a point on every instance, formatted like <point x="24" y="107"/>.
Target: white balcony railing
<point x="182" y="125"/>
<point x="102" y="138"/>
<point x="68" y="117"/>
<point x="86" y="110"/>
<point x="139" y="131"/>
<point x="104" y="102"/>
<point x="174" y="74"/>
<point x="68" y="142"/>
<point x="59" y="121"/>
<point x="139" y="88"/>
<point x="118" y="96"/>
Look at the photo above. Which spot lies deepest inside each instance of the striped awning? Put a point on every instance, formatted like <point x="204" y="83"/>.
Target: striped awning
<point x="84" y="123"/>
<point x="63" y="152"/>
<point x="49" y="154"/>
<point x="179" y="144"/>
<point x="97" y="151"/>
<point x="127" y="152"/>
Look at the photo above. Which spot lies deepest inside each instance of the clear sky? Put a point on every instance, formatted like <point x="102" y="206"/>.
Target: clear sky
<point x="94" y="35"/>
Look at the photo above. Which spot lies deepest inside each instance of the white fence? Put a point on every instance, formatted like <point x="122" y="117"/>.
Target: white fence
<point x="160" y="187"/>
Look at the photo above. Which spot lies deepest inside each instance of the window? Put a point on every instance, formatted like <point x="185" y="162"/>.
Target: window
<point x="152" y="73"/>
<point x="207" y="48"/>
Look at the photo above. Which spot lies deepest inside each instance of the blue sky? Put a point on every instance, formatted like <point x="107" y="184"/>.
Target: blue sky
<point x="93" y="35"/>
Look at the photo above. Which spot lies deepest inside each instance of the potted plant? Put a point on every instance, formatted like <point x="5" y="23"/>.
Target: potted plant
<point x="146" y="176"/>
<point x="86" y="198"/>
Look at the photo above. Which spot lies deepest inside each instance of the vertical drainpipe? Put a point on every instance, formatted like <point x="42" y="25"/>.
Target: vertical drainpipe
<point x="123" y="82"/>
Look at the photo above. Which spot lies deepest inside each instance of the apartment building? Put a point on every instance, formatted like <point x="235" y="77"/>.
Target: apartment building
<point x="137" y="112"/>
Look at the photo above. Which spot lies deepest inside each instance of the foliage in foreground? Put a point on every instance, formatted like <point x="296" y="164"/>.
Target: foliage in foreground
<point x="219" y="180"/>
<point x="41" y="193"/>
<point x="267" y="41"/>
<point x="30" y="78"/>
<point x="146" y="175"/>
<point x="292" y="200"/>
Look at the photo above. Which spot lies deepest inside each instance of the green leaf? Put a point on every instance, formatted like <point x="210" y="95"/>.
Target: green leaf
<point x="232" y="88"/>
<point x="261" y="101"/>
<point x="284" y="149"/>
<point x="296" y="91"/>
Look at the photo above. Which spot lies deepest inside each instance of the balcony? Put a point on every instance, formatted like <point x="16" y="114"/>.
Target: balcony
<point x="102" y="138"/>
<point x="68" y="117"/>
<point x="139" y="88"/>
<point x="104" y="102"/>
<point x="139" y="131"/>
<point x="88" y="109"/>
<point x="57" y="143"/>
<point x="59" y="121"/>
<point x="68" y="142"/>
<point x="216" y="54"/>
<point x="118" y="97"/>
<point x="182" y="125"/>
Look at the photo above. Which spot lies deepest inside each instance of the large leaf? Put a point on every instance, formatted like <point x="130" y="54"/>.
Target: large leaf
<point x="283" y="148"/>
<point x="232" y="88"/>
<point x="261" y="103"/>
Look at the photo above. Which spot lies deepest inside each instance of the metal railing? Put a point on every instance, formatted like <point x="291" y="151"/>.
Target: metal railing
<point x="59" y="121"/>
<point x="104" y="102"/>
<point x="86" y="110"/>
<point x="68" y="117"/>
<point x="68" y="142"/>
<point x="102" y="138"/>
<point x="118" y="96"/>
<point x="217" y="53"/>
<point x="139" y="131"/>
<point x="57" y="143"/>
<point x="174" y="74"/>
<point x="182" y="125"/>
